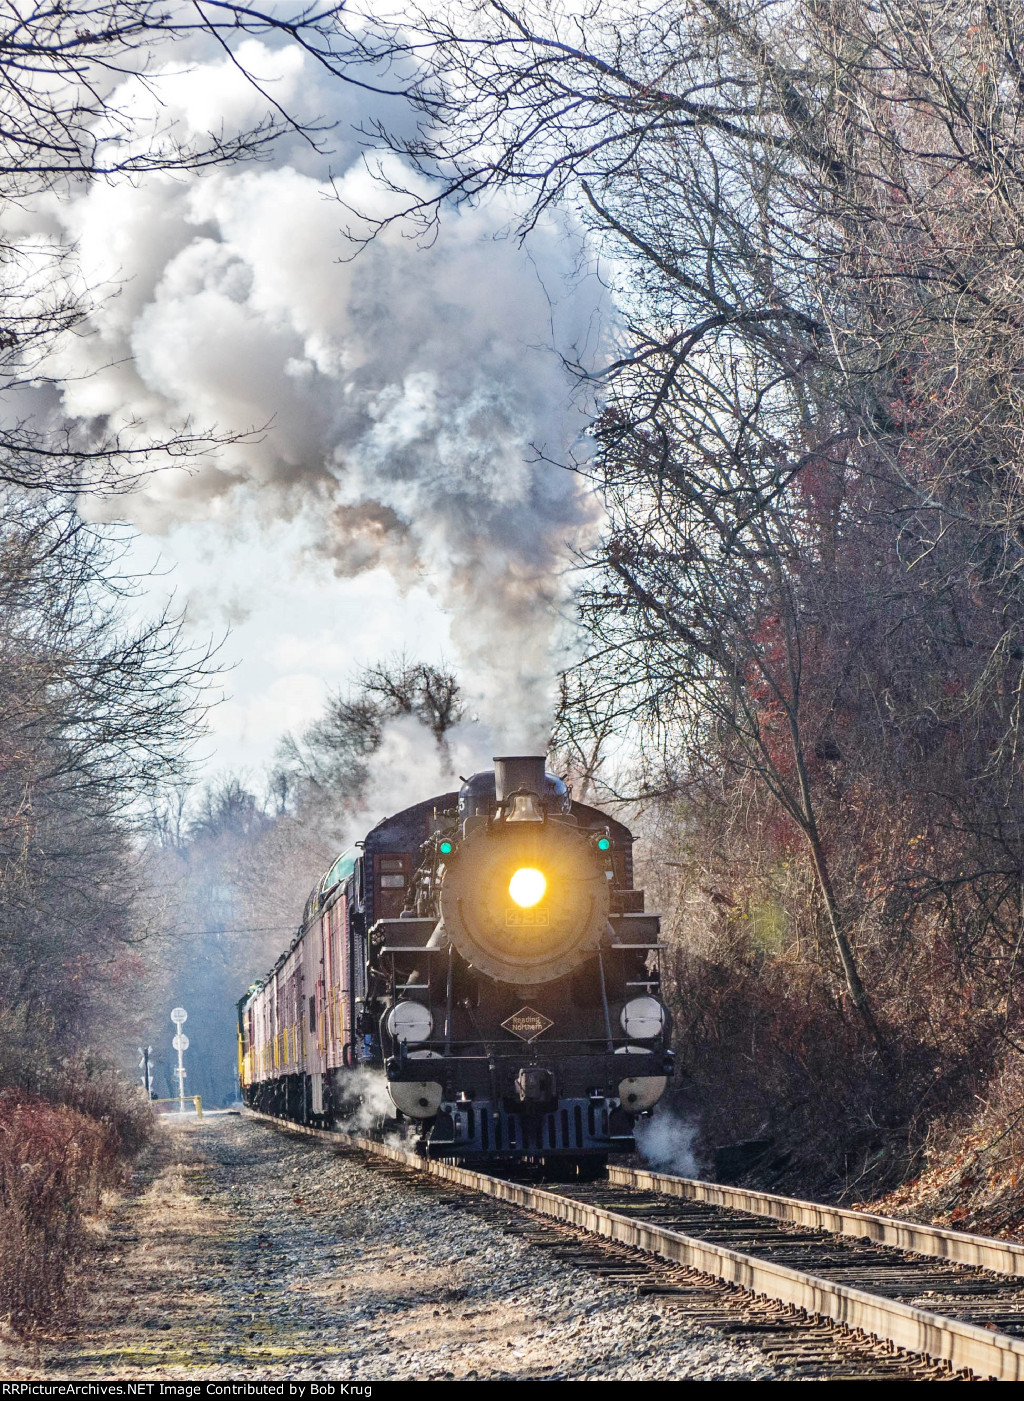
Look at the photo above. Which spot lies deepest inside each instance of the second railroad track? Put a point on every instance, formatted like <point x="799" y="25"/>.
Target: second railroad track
<point x="925" y="1303"/>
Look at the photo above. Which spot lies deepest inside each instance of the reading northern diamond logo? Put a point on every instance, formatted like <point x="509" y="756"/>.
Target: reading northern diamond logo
<point x="527" y="1024"/>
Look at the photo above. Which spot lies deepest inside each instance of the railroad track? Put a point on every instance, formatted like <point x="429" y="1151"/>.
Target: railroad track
<point x="835" y="1294"/>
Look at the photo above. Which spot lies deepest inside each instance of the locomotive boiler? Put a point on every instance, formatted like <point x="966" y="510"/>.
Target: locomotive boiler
<point x="487" y="953"/>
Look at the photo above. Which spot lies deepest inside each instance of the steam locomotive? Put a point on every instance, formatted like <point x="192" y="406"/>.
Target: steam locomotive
<point x="487" y="952"/>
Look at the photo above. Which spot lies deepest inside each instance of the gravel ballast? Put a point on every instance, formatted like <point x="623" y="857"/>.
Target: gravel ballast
<point x="246" y="1253"/>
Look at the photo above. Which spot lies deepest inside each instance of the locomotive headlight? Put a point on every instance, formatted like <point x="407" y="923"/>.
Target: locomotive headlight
<point x="527" y="887"/>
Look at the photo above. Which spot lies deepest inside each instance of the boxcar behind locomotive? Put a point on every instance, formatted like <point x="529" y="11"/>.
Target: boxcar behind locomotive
<point x="487" y="952"/>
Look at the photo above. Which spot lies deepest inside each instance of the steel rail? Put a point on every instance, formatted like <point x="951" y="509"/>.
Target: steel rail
<point x="983" y="1252"/>
<point x="963" y="1346"/>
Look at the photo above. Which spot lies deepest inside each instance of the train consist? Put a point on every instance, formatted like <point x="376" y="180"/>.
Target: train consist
<point x="486" y="952"/>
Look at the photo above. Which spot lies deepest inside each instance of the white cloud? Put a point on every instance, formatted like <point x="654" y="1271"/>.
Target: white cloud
<point x="290" y="702"/>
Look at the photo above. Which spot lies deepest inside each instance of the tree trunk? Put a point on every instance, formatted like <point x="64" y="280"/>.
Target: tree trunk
<point x="837" y="924"/>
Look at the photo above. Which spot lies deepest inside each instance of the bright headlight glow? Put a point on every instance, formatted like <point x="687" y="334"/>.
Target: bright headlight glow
<point x="527" y="886"/>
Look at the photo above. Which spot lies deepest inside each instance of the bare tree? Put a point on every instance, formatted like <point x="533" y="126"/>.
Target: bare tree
<point x="813" y="213"/>
<point x="95" y="714"/>
<point x="700" y="633"/>
<point x="331" y="758"/>
<point x="432" y="694"/>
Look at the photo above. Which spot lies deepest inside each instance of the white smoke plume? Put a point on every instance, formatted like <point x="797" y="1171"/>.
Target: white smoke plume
<point x="407" y="401"/>
<point x="666" y="1143"/>
<point x="409" y="767"/>
<point x="368" y="1106"/>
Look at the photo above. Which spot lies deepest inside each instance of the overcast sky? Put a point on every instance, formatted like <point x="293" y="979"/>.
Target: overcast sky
<point x="289" y="629"/>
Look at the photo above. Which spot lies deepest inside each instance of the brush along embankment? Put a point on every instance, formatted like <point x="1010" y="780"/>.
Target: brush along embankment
<point x="57" y="1159"/>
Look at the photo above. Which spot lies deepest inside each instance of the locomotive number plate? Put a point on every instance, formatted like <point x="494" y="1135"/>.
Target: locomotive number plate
<point x="527" y="1024"/>
<point x="525" y="919"/>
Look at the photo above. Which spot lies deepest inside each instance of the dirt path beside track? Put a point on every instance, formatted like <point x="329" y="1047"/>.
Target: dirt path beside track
<point x="239" y="1252"/>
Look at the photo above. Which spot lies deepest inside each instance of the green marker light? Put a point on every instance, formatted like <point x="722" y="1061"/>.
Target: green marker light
<point x="603" y="844"/>
<point x="446" y="848"/>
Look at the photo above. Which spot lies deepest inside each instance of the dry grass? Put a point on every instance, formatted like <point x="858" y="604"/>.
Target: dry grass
<point x="55" y="1162"/>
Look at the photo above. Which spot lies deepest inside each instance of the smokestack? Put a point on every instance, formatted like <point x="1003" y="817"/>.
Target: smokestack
<point x="513" y="774"/>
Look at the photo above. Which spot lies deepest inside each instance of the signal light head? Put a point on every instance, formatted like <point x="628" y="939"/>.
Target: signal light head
<point x="527" y="887"/>
<point x="604" y="844"/>
<point x="446" y="848"/>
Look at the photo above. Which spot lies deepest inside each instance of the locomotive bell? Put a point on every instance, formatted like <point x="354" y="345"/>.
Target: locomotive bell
<point x="516" y="789"/>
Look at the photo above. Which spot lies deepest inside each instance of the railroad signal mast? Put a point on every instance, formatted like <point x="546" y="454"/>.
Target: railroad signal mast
<point x="180" y="1044"/>
<point x="146" y="1066"/>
